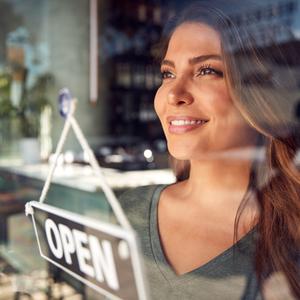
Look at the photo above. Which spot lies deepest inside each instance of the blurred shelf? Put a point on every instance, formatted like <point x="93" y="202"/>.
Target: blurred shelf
<point x="82" y="177"/>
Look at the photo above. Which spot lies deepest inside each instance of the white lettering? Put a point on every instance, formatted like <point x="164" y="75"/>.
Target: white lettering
<point x="103" y="261"/>
<point x="57" y="250"/>
<point x="64" y="242"/>
<point x="83" y="254"/>
<point x="67" y="242"/>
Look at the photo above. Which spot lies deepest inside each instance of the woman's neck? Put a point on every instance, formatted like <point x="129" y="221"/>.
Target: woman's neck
<point x="215" y="181"/>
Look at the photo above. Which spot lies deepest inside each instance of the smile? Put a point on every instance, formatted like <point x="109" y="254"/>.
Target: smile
<point x="184" y="124"/>
<point x="187" y="122"/>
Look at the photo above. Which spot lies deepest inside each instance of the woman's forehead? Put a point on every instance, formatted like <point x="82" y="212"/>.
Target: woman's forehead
<point x="196" y="38"/>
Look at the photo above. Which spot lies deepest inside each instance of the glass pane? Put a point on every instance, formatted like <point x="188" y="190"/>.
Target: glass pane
<point x="209" y="90"/>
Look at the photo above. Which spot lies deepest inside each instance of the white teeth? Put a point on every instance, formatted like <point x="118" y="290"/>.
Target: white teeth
<point x="187" y="122"/>
<point x="178" y="122"/>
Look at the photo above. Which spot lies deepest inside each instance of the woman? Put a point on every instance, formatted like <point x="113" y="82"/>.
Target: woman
<point x="231" y="220"/>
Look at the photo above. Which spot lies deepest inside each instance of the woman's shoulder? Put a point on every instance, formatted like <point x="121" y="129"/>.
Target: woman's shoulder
<point x="137" y="205"/>
<point x="141" y="196"/>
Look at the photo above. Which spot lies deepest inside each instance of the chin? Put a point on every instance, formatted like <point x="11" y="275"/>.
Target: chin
<point x="179" y="156"/>
<point x="186" y="153"/>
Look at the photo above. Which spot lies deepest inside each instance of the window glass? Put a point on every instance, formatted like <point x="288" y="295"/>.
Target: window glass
<point x="193" y="110"/>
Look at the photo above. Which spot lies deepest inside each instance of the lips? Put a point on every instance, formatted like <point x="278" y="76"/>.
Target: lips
<point x="183" y="124"/>
<point x="186" y="122"/>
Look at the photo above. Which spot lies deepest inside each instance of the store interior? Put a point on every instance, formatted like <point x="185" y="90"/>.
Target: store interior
<point x="107" y="53"/>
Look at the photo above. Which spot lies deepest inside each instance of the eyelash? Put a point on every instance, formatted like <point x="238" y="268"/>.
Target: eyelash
<point x="165" y="74"/>
<point x="210" y="69"/>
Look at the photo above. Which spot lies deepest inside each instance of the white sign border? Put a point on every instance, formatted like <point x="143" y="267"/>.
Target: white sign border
<point x="111" y="229"/>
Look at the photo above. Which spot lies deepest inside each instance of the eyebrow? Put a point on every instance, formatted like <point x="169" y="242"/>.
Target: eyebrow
<point x="194" y="60"/>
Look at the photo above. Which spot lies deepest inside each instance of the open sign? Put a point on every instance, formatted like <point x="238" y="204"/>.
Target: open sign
<point x="101" y="255"/>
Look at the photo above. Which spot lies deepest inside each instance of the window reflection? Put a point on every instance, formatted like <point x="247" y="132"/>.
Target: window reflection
<point x="130" y="78"/>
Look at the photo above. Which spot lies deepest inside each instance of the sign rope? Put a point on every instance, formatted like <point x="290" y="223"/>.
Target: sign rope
<point x="67" y="110"/>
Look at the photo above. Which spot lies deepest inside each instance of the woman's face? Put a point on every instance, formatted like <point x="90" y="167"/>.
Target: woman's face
<point x="193" y="103"/>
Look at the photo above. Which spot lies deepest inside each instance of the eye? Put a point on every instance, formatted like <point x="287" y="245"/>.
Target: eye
<point x="208" y="70"/>
<point x="165" y="74"/>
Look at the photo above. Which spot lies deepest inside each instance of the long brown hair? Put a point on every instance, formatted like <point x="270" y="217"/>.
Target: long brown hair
<point x="265" y="98"/>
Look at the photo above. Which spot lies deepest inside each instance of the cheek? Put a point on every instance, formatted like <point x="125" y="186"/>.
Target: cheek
<point x="216" y="101"/>
<point x="159" y="103"/>
<point x="229" y="124"/>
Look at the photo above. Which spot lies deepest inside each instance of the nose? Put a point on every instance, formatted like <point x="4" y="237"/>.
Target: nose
<point x="179" y="95"/>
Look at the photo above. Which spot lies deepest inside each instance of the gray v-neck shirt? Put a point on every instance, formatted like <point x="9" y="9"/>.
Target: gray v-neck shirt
<point x="228" y="276"/>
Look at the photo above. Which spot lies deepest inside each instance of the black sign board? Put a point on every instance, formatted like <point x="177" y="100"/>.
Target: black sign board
<point x="103" y="256"/>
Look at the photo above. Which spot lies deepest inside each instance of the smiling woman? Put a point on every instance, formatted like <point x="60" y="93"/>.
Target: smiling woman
<point x="194" y="100"/>
<point x="232" y="219"/>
